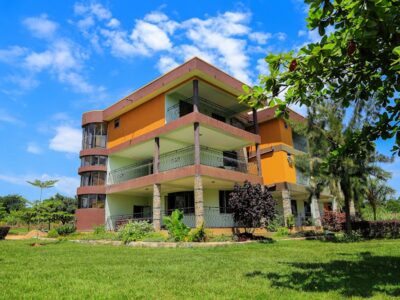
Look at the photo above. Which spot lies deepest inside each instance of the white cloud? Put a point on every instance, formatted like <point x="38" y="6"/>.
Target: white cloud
<point x="260" y="37"/>
<point x="11" y="54"/>
<point x="67" y="139"/>
<point x="301" y="33"/>
<point x="33" y="148"/>
<point x="41" y="26"/>
<point x="66" y="185"/>
<point x="166" y="64"/>
<point x="151" y="36"/>
<point x="281" y="36"/>
<point x="9" y="118"/>
<point x="262" y="67"/>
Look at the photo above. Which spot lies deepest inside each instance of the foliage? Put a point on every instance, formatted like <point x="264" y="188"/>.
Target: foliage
<point x="66" y="229"/>
<point x="198" y="234"/>
<point x="14" y="202"/>
<point x="97" y="230"/>
<point x="134" y="231"/>
<point x="356" y="59"/>
<point x="220" y="238"/>
<point x="46" y="184"/>
<point x="290" y="221"/>
<point x="307" y="233"/>
<point x="53" y="233"/>
<point x="393" y="205"/>
<point x="176" y="228"/>
<point x="282" y="231"/>
<point x="14" y="217"/>
<point x="377" y="229"/>
<point x="4" y="231"/>
<point x="252" y="206"/>
<point x="274" y="224"/>
<point x="154" y="237"/>
<point x="333" y="221"/>
<point x="55" y="209"/>
<point x="353" y="237"/>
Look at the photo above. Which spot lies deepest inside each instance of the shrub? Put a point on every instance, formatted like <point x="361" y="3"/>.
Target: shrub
<point x="252" y="206"/>
<point x="347" y="238"/>
<point x="221" y="238"/>
<point x="99" y="230"/>
<point x="333" y="221"/>
<point x="282" y="231"/>
<point x="377" y="229"/>
<point x="274" y="224"/>
<point x="154" y="237"/>
<point x="52" y="233"/>
<point x="290" y="221"/>
<point x="198" y="234"/>
<point x="3" y="232"/>
<point x="66" y="229"/>
<point x="134" y="231"/>
<point x="176" y="228"/>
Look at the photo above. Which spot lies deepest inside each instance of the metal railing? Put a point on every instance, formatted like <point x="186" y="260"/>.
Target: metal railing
<point x="213" y="217"/>
<point x="133" y="171"/>
<point x="208" y="108"/>
<point x="181" y="158"/>
<point x="304" y="220"/>
<point x="302" y="178"/>
<point x="94" y="141"/>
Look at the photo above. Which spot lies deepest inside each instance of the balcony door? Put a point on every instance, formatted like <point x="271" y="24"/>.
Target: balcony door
<point x="184" y="201"/>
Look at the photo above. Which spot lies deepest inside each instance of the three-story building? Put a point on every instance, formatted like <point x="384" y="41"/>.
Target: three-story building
<point x="182" y="142"/>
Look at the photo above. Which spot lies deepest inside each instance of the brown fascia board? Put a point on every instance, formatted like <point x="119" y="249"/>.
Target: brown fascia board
<point x="269" y="114"/>
<point x="195" y="67"/>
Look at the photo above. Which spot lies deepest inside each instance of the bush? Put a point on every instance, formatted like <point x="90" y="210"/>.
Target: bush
<point x="3" y="232"/>
<point x="274" y="224"/>
<point x="53" y="233"/>
<point x="221" y="238"/>
<point x="99" y="230"/>
<point x="134" y="231"/>
<point x="290" y="221"/>
<point x="176" y="228"/>
<point x="154" y="237"/>
<point x="198" y="234"/>
<point x="377" y="229"/>
<point x="66" y="229"/>
<point x="282" y="231"/>
<point x="347" y="238"/>
<point x="333" y="221"/>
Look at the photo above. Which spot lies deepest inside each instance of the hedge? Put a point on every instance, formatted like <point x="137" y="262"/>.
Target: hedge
<point x="377" y="229"/>
<point x="3" y="232"/>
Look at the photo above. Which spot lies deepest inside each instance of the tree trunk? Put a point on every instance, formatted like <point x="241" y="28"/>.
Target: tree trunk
<point x="344" y="185"/>
<point x="374" y="211"/>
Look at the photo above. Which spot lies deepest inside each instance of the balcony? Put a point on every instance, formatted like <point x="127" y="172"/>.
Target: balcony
<point x="229" y="160"/>
<point x="299" y="142"/>
<point x="207" y="107"/>
<point x="302" y="178"/>
<point x="213" y="217"/>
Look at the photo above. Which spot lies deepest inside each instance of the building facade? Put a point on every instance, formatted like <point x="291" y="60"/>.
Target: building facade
<point x="182" y="142"/>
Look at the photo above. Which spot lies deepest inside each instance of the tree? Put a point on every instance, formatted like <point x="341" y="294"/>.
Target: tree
<point x="377" y="193"/>
<point x="43" y="185"/>
<point x="12" y="202"/>
<point x="356" y="59"/>
<point x="56" y="209"/>
<point x="393" y="205"/>
<point x="252" y="205"/>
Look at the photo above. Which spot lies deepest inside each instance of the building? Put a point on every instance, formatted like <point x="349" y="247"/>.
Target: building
<point x="182" y="141"/>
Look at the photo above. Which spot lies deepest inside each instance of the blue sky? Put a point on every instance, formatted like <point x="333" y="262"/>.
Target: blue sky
<point x="59" y="59"/>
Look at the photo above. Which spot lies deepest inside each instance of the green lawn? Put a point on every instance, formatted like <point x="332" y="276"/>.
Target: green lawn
<point x="283" y="270"/>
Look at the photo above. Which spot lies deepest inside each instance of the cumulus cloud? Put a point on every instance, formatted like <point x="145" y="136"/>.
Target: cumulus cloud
<point x="66" y="139"/>
<point x="41" y="26"/>
<point x="166" y="64"/>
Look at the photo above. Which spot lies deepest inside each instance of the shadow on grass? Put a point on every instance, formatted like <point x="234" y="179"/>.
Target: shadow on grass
<point x="362" y="277"/>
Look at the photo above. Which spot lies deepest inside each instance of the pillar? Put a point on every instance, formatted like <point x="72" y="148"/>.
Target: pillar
<point x="156" y="187"/>
<point x="334" y="205"/>
<point x="198" y="183"/>
<point x="352" y="209"/>
<point x="195" y="95"/>
<point x="287" y="206"/>
<point x="315" y="211"/>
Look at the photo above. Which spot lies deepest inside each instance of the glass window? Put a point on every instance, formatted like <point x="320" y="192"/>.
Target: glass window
<point x="116" y="123"/>
<point x="94" y="135"/>
<point x="224" y="207"/>
<point x="91" y="201"/>
<point x="93" y="178"/>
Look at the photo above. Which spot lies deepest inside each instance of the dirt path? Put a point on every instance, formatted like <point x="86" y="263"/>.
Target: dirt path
<point x="29" y="235"/>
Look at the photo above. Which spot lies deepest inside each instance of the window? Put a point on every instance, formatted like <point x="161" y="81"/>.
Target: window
<point x="184" y="201"/>
<point x="94" y="160"/>
<point x="91" y="201"/>
<point x="93" y="178"/>
<point x="294" y="207"/>
<point x="224" y="207"/>
<point x="116" y="123"/>
<point x="286" y="125"/>
<point x="94" y="135"/>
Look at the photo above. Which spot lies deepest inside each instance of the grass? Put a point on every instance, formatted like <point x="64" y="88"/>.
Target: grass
<point x="282" y="270"/>
<point x="18" y="230"/>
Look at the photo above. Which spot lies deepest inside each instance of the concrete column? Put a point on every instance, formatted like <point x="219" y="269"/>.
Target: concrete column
<point x="198" y="200"/>
<point x="352" y="208"/>
<point x="287" y="206"/>
<point x="157" y="206"/>
<point x="315" y="211"/>
<point x="156" y="187"/>
<point x="334" y="205"/>
<point x="195" y="95"/>
<point x="196" y="144"/>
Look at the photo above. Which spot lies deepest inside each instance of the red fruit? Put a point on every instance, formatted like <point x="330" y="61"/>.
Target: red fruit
<point x="293" y="65"/>
<point x="351" y="48"/>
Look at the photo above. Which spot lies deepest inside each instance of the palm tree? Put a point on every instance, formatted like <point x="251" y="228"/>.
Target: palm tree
<point x="377" y="193"/>
<point x="43" y="185"/>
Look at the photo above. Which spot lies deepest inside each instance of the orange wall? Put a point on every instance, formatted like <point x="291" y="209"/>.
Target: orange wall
<point x="273" y="132"/>
<point x="138" y="121"/>
<point x="275" y="168"/>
